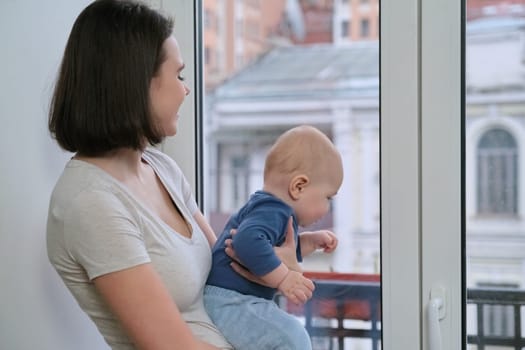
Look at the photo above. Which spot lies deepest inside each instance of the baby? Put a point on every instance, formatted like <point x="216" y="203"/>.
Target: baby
<point x="303" y="171"/>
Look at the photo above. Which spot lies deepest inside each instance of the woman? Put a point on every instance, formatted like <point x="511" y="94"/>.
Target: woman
<point x="124" y="232"/>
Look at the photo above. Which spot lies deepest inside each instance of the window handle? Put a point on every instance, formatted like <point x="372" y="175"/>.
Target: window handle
<point x="435" y="313"/>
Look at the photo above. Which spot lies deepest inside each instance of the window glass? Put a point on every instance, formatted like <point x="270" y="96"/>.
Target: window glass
<point x="494" y="155"/>
<point x="275" y="65"/>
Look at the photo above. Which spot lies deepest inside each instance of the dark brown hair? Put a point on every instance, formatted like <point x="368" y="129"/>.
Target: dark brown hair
<point x="101" y="98"/>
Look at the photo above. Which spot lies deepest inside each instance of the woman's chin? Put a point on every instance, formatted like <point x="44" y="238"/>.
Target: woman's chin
<point x="171" y="130"/>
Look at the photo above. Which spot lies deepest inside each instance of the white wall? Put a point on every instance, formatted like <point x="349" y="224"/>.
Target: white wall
<point x="36" y="310"/>
<point x="181" y="147"/>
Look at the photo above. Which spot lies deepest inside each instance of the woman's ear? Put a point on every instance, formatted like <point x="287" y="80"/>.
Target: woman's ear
<point x="297" y="185"/>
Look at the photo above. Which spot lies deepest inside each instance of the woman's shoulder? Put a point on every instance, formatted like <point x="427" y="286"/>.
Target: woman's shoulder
<point x="79" y="175"/>
<point x="81" y="180"/>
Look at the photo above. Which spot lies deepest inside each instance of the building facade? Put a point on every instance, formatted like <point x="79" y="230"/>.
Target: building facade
<point x="336" y="89"/>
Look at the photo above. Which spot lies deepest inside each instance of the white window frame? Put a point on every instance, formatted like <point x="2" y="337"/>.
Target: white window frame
<point x="421" y="185"/>
<point x="185" y="147"/>
<point x="421" y="97"/>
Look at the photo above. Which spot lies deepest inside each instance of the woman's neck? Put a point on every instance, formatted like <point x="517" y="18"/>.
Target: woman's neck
<point x="122" y="163"/>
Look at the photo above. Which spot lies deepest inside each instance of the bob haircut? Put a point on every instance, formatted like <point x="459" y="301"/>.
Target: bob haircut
<point x="101" y="97"/>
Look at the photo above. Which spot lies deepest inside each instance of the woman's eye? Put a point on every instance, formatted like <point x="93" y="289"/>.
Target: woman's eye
<point x="181" y="78"/>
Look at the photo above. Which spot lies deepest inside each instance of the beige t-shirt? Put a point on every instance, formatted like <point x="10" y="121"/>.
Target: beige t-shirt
<point x="96" y="226"/>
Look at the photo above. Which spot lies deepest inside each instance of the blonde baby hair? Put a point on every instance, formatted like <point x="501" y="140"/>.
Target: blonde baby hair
<point x="301" y="150"/>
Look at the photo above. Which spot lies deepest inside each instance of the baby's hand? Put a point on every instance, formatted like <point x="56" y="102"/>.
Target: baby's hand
<point x="296" y="288"/>
<point x="314" y="240"/>
<point x="325" y="240"/>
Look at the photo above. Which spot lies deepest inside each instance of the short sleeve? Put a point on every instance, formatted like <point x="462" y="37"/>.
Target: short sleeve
<point x="102" y="235"/>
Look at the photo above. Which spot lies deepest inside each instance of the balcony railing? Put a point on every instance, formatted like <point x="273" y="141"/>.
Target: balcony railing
<point x="341" y="299"/>
<point x="508" y="332"/>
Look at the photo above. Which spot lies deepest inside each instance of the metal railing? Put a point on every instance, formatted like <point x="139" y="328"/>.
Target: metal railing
<point x="511" y="303"/>
<point x="339" y="298"/>
<point x="350" y="301"/>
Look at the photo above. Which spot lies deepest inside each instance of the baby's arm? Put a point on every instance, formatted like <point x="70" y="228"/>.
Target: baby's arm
<point x="322" y="239"/>
<point x="255" y="252"/>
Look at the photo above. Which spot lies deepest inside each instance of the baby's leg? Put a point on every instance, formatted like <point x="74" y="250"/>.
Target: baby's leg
<point x="251" y="323"/>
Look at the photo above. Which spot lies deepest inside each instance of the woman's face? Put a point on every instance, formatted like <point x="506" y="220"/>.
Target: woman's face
<point x="167" y="89"/>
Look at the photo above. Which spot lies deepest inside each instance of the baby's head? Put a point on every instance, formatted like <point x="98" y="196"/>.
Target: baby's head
<point x="304" y="169"/>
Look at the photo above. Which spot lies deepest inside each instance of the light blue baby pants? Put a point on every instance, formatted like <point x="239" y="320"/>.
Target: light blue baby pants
<point x="252" y="323"/>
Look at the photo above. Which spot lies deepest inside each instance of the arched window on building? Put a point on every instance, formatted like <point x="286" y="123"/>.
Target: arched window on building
<point x="497" y="173"/>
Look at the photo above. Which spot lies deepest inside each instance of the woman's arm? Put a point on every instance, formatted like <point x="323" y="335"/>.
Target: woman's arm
<point x="205" y="227"/>
<point x="139" y="299"/>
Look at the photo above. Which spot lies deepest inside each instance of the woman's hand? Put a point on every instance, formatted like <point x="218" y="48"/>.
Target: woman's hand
<point x="286" y="253"/>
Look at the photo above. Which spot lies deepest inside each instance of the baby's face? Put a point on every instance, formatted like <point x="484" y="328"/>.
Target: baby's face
<point x="315" y="199"/>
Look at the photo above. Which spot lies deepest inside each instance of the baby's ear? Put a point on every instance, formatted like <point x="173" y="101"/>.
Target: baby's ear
<point x="297" y="185"/>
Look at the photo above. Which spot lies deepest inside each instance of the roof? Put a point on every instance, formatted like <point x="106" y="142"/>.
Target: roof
<point x="325" y="71"/>
<point x="494" y="24"/>
<point x="297" y="72"/>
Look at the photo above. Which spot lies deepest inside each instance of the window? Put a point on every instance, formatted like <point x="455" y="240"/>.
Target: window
<point x="497" y="173"/>
<point x="252" y="30"/>
<point x="232" y="179"/>
<point x="493" y="130"/>
<point x="207" y="19"/>
<point x="345" y="28"/>
<point x="365" y="28"/>
<point x="239" y="28"/>
<point x="239" y="177"/>
<point x="208" y="56"/>
<point x="271" y="88"/>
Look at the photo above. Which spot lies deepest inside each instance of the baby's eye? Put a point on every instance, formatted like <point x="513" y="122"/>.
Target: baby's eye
<point x="181" y="78"/>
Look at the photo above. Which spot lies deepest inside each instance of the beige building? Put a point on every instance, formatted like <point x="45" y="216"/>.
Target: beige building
<point x="336" y="89"/>
<point x="235" y="33"/>
<point x="355" y="20"/>
<point x="490" y="8"/>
